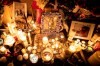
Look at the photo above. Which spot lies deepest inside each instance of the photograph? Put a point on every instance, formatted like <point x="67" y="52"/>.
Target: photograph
<point x="51" y="22"/>
<point x="82" y="30"/>
<point x="20" y="14"/>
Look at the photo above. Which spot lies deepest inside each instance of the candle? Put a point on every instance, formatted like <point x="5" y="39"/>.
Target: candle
<point x="20" y="57"/>
<point x="9" y="40"/>
<point x="29" y="37"/>
<point x="72" y="48"/>
<point x="2" y="49"/>
<point x="1" y="41"/>
<point x="29" y="48"/>
<point x="23" y="51"/>
<point x="34" y="26"/>
<point x="48" y="58"/>
<point x="25" y="56"/>
<point x="62" y="36"/>
<point x="45" y="40"/>
<point x="21" y="35"/>
<point x="56" y="38"/>
<point x="56" y="45"/>
<point x="53" y="40"/>
<point x="33" y="58"/>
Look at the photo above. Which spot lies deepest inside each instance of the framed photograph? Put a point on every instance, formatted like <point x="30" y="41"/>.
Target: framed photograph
<point x="20" y="13"/>
<point x="81" y="30"/>
<point x="51" y="22"/>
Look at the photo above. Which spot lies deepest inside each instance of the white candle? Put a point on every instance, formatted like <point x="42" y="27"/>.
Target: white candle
<point x="21" y="35"/>
<point x="29" y="37"/>
<point x="62" y="36"/>
<point x="2" y="49"/>
<point x="45" y="40"/>
<point x="72" y="48"/>
<point x="47" y="57"/>
<point x="25" y="56"/>
<point x="29" y="48"/>
<point x="9" y="40"/>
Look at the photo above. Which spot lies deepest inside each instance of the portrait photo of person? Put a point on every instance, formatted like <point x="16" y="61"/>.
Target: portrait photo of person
<point x="82" y="30"/>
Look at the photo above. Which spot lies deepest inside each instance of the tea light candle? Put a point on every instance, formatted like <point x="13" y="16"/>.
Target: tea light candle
<point x="62" y="36"/>
<point x="33" y="58"/>
<point x="48" y="58"/>
<point x="72" y="48"/>
<point x="20" y="57"/>
<point x="29" y="48"/>
<point x="9" y="40"/>
<point x="25" y="56"/>
<point x="23" y="51"/>
<point x="56" y="38"/>
<point x="2" y="49"/>
<point x="45" y="40"/>
<point x="53" y="40"/>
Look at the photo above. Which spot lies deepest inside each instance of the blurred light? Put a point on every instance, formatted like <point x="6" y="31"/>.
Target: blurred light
<point x="72" y="48"/>
<point x="34" y="26"/>
<point x="45" y="40"/>
<point x="21" y="35"/>
<point x="2" y="49"/>
<point x="25" y="56"/>
<point x="29" y="48"/>
<point x="56" y="38"/>
<point x="33" y="58"/>
<point x="53" y="40"/>
<point x="1" y="41"/>
<point x="9" y="40"/>
<point x="23" y="51"/>
<point x="62" y="36"/>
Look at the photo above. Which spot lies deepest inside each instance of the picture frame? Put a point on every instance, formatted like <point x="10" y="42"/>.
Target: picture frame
<point x="97" y="29"/>
<point x="20" y="14"/>
<point x="51" y="22"/>
<point x="81" y="30"/>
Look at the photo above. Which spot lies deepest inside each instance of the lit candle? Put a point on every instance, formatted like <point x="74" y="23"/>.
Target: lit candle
<point x="20" y="57"/>
<point x="23" y="51"/>
<point x="2" y="49"/>
<point x="47" y="57"/>
<point x="72" y="48"/>
<point x="25" y="56"/>
<point x="9" y="40"/>
<point x="53" y="40"/>
<point x="34" y="47"/>
<point x="45" y="40"/>
<point x="25" y="43"/>
<point x="1" y="41"/>
<point x="34" y="26"/>
<point x="29" y="48"/>
<point x="21" y="35"/>
<point x="56" y="38"/>
<point x="62" y="36"/>
<point x="33" y="58"/>
<point x="56" y="45"/>
<point x="29" y="37"/>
